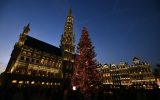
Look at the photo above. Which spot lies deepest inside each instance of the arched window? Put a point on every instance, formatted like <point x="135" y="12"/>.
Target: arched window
<point x="59" y="65"/>
<point x="53" y="63"/>
<point x="24" y="52"/>
<point x="50" y="63"/>
<point x="45" y="62"/>
<point x="29" y="54"/>
<point x="42" y="61"/>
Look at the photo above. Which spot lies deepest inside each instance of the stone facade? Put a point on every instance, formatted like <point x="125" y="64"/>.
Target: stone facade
<point x="137" y="75"/>
<point x="34" y="62"/>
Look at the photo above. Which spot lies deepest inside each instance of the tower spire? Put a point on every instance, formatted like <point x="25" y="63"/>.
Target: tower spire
<point x="26" y="29"/>
<point x="70" y="12"/>
<point x="68" y="35"/>
<point x="23" y="35"/>
<point x="67" y="46"/>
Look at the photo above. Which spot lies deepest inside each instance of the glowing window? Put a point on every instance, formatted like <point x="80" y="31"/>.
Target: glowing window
<point x="50" y="63"/>
<point x="29" y="54"/>
<point x="32" y="82"/>
<point x="42" y="82"/>
<point x="27" y="82"/>
<point x="42" y="61"/>
<point x="24" y="52"/>
<point x="53" y="64"/>
<point x="45" y="62"/>
<point x="59" y="65"/>
<point x="14" y="81"/>
<point x="20" y="82"/>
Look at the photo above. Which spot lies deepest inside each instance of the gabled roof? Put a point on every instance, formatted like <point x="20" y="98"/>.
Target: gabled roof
<point x="135" y="58"/>
<point x="42" y="46"/>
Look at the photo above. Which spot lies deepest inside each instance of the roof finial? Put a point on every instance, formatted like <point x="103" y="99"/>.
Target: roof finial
<point x="70" y="12"/>
<point x="28" y="25"/>
<point x="26" y="29"/>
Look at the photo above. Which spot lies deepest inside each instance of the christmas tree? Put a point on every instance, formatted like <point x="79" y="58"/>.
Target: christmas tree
<point x="85" y="76"/>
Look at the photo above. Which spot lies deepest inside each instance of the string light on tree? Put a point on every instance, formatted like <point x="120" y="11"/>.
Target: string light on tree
<point x="86" y="76"/>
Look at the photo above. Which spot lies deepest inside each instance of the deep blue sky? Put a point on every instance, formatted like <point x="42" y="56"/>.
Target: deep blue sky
<point x="119" y="29"/>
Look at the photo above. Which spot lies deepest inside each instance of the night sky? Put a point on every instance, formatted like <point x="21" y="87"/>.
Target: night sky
<point x="119" y="29"/>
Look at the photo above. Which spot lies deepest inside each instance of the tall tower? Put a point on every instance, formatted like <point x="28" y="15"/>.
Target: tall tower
<point x="23" y="35"/>
<point x="17" y="50"/>
<point x="67" y="46"/>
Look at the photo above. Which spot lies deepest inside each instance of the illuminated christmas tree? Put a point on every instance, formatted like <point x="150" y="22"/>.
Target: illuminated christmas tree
<point x="86" y="76"/>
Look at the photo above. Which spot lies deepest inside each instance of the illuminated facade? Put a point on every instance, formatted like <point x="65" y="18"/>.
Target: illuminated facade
<point x="30" y="57"/>
<point x="106" y="75"/>
<point x="124" y="74"/>
<point x="157" y="75"/>
<point x="137" y="75"/>
<point x="115" y="75"/>
<point x="141" y="74"/>
<point x="45" y="64"/>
